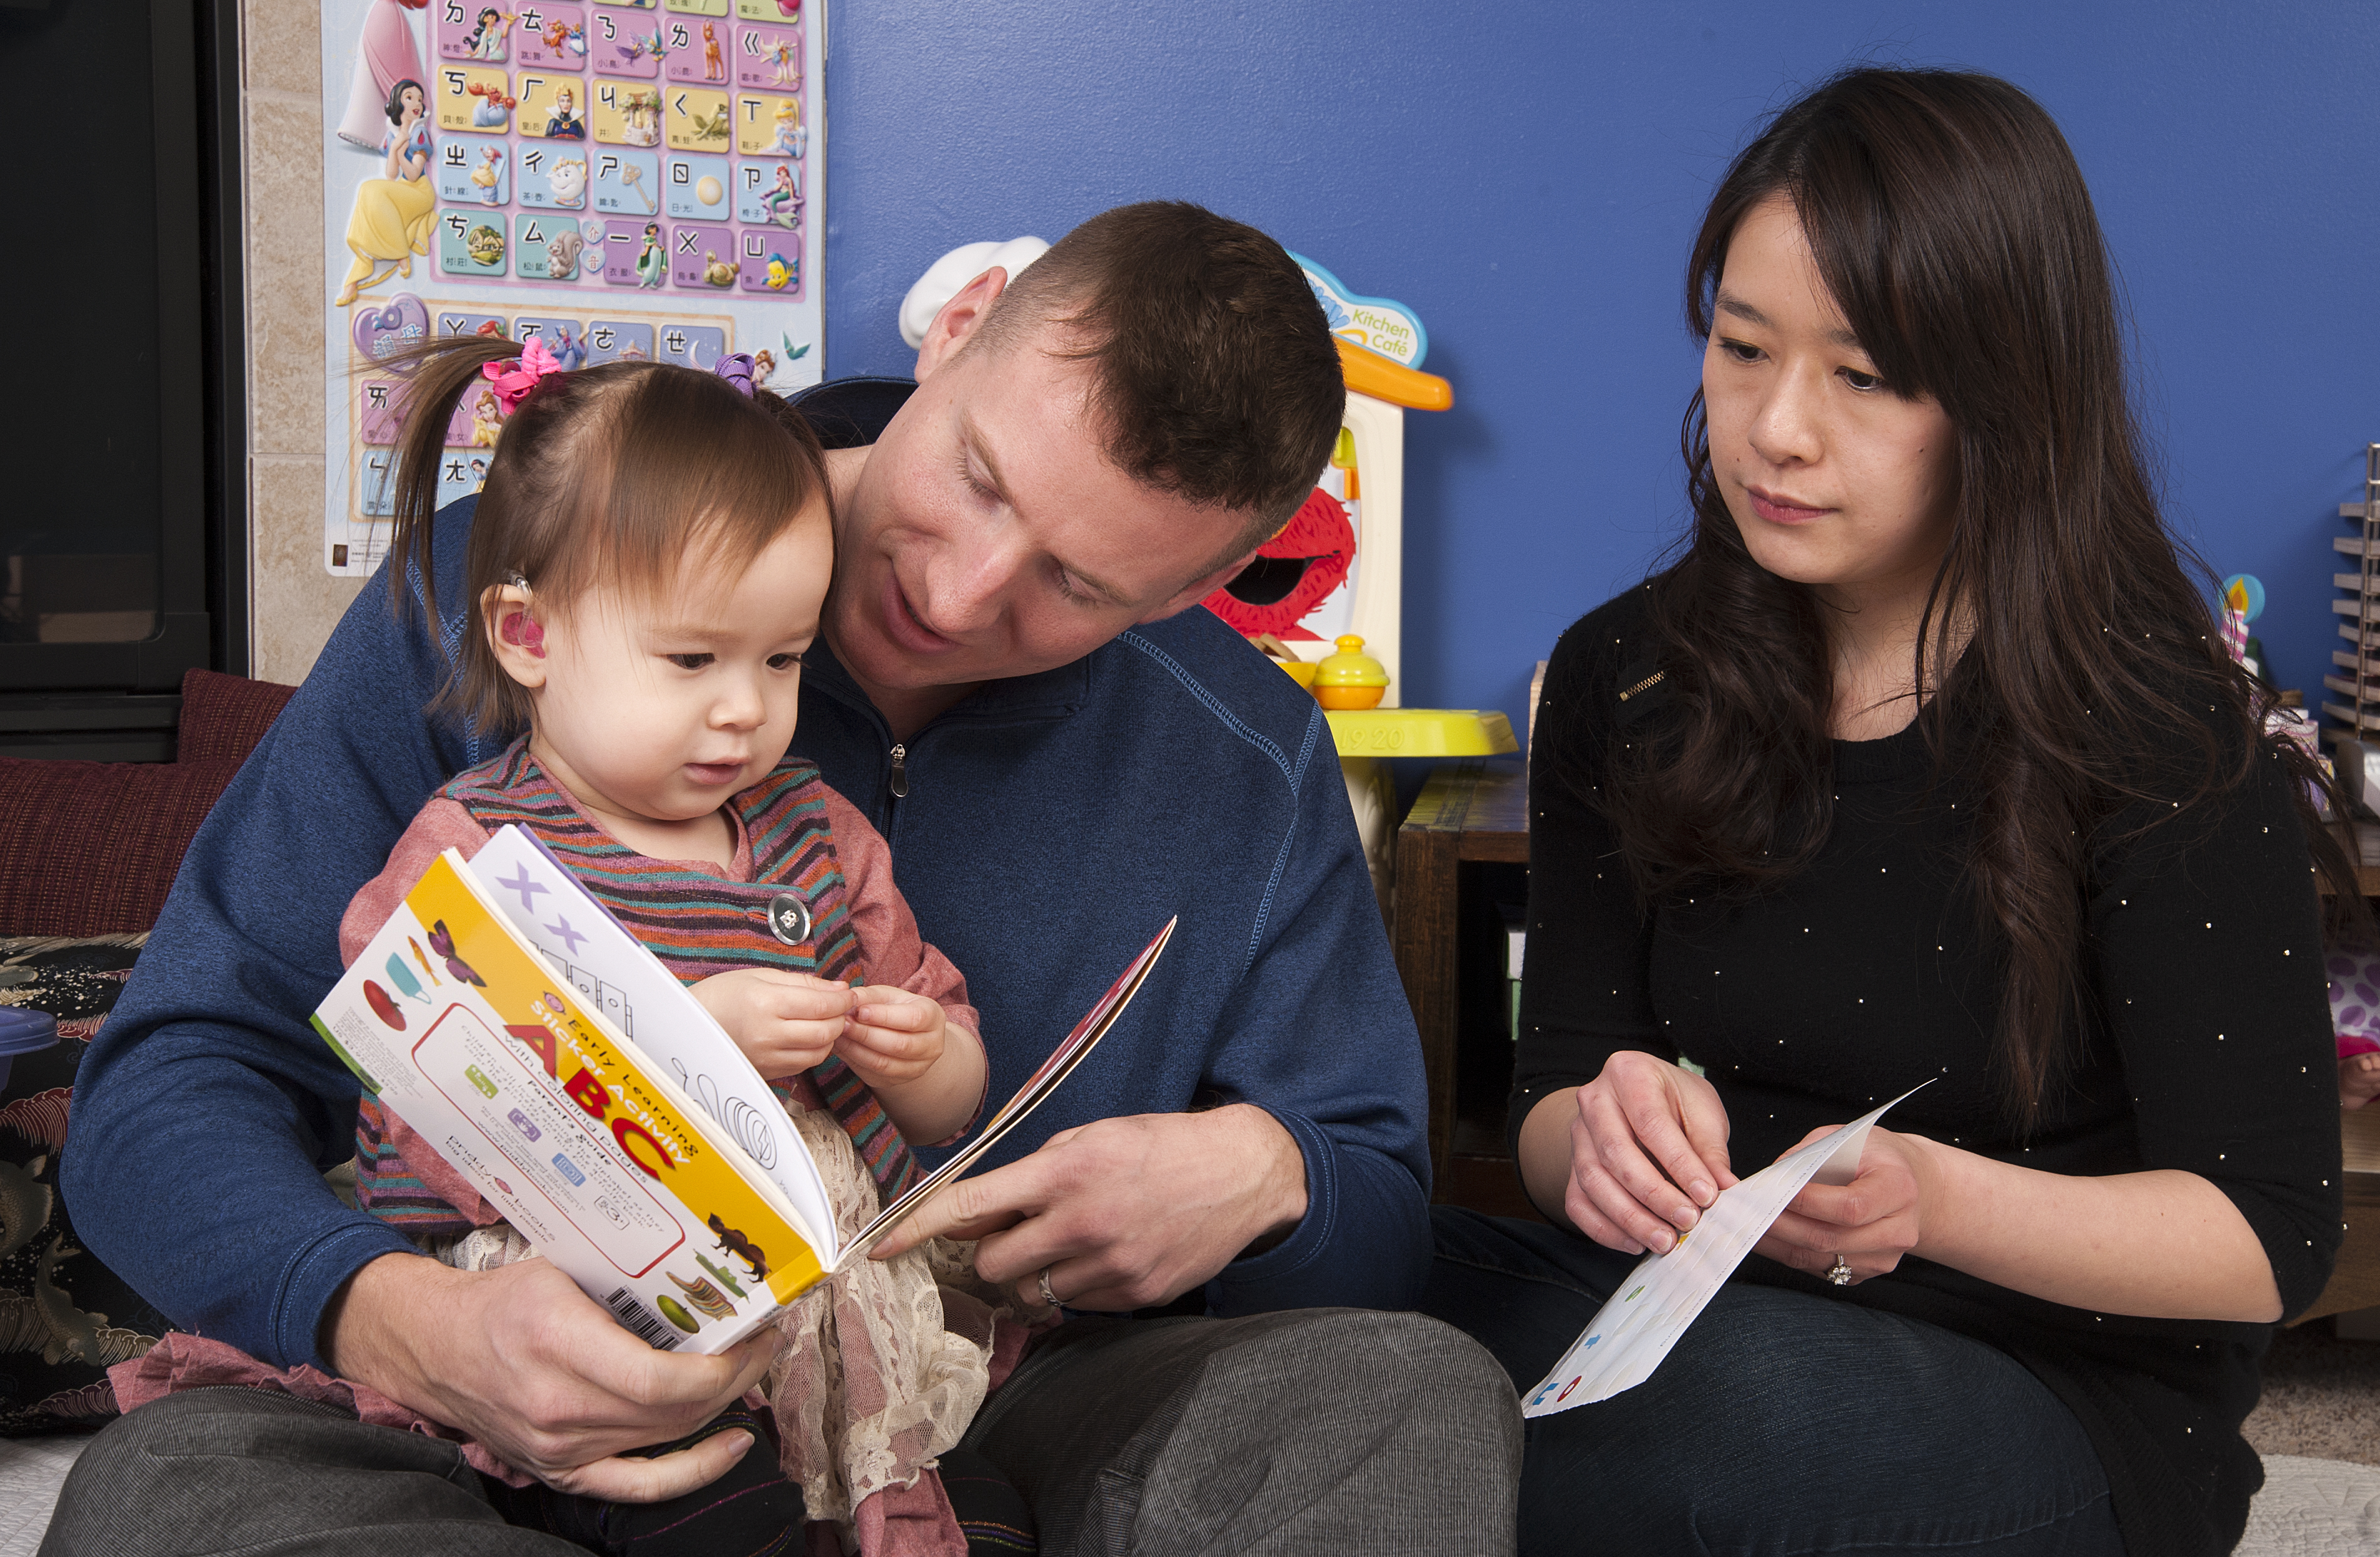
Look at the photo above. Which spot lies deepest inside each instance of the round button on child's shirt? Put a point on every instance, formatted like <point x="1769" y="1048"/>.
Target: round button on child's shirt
<point x="789" y="919"/>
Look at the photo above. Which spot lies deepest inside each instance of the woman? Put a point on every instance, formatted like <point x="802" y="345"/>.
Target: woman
<point x="390" y="223"/>
<point x="1923" y="761"/>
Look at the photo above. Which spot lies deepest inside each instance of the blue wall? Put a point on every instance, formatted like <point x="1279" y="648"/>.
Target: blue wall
<point x="1526" y="175"/>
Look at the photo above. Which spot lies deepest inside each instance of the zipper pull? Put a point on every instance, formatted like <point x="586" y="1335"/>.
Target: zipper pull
<point x="900" y="771"/>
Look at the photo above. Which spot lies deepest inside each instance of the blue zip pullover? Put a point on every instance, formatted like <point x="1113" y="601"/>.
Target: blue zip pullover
<point x="1051" y="823"/>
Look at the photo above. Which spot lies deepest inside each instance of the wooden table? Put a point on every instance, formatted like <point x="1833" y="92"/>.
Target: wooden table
<point x="1471" y="812"/>
<point x="1474" y="812"/>
<point x="2356" y="1283"/>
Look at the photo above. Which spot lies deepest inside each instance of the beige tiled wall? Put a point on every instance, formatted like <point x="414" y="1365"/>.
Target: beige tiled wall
<point x="293" y="600"/>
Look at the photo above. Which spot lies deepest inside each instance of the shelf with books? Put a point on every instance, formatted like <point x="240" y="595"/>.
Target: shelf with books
<point x="2354" y="698"/>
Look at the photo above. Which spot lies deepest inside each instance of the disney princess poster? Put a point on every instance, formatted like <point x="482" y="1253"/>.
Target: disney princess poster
<point x="501" y="170"/>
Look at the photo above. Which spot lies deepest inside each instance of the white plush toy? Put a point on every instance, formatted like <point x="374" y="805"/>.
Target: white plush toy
<point x="946" y="275"/>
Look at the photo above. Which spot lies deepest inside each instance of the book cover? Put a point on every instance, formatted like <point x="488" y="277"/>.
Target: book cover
<point x="458" y="1025"/>
<point x="516" y="1026"/>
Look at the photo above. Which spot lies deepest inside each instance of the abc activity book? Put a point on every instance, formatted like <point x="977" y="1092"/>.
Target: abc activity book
<point x="519" y="1028"/>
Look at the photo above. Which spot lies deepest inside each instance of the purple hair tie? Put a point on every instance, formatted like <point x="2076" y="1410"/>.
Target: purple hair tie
<point x="736" y="368"/>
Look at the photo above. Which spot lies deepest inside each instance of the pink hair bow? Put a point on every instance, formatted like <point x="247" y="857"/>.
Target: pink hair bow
<point x="514" y="379"/>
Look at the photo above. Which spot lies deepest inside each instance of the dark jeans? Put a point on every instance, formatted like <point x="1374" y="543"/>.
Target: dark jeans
<point x="1781" y="1424"/>
<point x="1319" y="1430"/>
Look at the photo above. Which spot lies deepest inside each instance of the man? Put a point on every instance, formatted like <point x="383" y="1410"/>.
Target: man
<point x="1013" y="684"/>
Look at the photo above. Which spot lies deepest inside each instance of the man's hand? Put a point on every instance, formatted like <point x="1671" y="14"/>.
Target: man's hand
<point x="1125" y="1212"/>
<point x="521" y="1358"/>
<point x="784" y="1022"/>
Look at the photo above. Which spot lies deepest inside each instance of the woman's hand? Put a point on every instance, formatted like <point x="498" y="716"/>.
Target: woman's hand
<point x="1870" y="1223"/>
<point x="784" y="1022"/>
<point x="1648" y="1151"/>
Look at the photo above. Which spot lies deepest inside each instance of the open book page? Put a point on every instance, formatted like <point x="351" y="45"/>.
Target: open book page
<point x="1631" y="1334"/>
<point x="511" y="1056"/>
<point x="1103" y="1015"/>
<point x="611" y="969"/>
<point x="457" y="1023"/>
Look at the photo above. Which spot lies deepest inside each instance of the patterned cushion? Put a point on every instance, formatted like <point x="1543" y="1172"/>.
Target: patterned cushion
<point x="64" y="1316"/>
<point x="90" y="848"/>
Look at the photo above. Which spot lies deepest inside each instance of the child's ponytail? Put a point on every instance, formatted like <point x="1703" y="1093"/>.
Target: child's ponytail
<point x="444" y="371"/>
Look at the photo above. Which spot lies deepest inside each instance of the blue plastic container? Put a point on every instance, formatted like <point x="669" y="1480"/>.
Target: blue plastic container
<point x="23" y="1031"/>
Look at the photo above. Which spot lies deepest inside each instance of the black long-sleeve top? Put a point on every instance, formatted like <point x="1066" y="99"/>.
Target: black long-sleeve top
<point x="2207" y="1047"/>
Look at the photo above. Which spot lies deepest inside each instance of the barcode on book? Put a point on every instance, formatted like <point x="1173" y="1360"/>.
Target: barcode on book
<point x="647" y="1326"/>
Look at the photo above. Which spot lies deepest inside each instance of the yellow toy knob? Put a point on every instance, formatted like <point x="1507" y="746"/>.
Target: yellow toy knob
<point x="1350" y="678"/>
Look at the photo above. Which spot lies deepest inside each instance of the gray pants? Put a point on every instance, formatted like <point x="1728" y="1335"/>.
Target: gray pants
<point x="1313" y="1430"/>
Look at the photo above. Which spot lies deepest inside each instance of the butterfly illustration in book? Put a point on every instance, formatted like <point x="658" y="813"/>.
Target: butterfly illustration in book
<point x="442" y="942"/>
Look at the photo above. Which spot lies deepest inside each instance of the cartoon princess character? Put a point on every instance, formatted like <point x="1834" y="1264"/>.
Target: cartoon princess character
<point x="714" y="67"/>
<point x="391" y="216"/>
<point x="565" y="123"/>
<point x="386" y="54"/>
<point x="489" y="173"/>
<point x="792" y="138"/>
<point x="487" y="39"/>
<point x="487" y="420"/>
<point x="652" y="265"/>
<point x="784" y="203"/>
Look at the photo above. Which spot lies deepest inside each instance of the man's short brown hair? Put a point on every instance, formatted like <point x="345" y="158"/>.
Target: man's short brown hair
<point x="1213" y="367"/>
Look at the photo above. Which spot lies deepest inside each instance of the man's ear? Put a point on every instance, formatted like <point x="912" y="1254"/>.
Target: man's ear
<point x="1199" y="588"/>
<point x="960" y="318"/>
<point x="515" y="635"/>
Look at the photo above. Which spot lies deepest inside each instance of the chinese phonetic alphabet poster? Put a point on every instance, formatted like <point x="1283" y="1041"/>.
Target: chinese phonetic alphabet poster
<point x="621" y="181"/>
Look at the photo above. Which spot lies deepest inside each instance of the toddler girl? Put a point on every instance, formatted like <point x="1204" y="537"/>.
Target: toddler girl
<point x="647" y="564"/>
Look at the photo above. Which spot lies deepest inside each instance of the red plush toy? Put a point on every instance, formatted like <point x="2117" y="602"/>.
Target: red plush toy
<point x="1293" y="572"/>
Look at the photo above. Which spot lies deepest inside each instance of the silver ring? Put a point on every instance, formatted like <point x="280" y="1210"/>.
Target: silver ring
<point x="1840" y="1272"/>
<point x="1048" y="1297"/>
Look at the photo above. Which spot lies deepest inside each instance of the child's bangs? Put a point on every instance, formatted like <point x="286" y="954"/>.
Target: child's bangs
<point x="697" y="475"/>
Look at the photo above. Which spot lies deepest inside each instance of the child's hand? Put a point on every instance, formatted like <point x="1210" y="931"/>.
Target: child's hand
<point x="2359" y="1079"/>
<point x="784" y="1022"/>
<point x="893" y="1037"/>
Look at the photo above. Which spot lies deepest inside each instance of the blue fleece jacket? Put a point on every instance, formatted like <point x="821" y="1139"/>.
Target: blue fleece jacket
<point x="1051" y="823"/>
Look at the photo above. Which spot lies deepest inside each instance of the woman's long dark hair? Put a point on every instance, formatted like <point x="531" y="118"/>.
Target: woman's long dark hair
<point x="1954" y="231"/>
